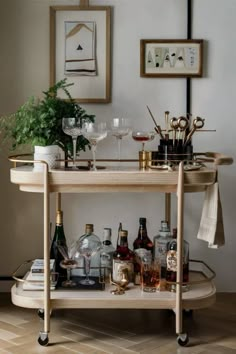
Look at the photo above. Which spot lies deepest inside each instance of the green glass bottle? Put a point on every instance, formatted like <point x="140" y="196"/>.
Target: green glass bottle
<point x="58" y="239"/>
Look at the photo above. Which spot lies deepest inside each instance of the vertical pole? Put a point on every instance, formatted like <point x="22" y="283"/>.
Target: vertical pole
<point x="84" y="3"/>
<point x="168" y="208"/>
<point x="179" y="276"/>
<point x="189" y="36"/>
<point x="46" y="250"/>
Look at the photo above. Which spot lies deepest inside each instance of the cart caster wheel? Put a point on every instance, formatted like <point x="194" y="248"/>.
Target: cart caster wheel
<point x="43" y="339"/>
<point x="41" y="313"/>
<point x="188" y="313"/>
<point x="183" y="339"/>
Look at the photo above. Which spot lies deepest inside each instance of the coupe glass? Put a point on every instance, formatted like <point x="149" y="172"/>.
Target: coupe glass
<point x="94" y="132"/>
<point x="68" y="263"/>
<point x="143" y="137"/>
<point x="72" y="126"/>
<point x="120" y="127"/>
<point x="88" y="246"/>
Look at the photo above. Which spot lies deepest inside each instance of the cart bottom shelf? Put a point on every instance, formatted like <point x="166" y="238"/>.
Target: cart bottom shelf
<point x="199" y="296"/>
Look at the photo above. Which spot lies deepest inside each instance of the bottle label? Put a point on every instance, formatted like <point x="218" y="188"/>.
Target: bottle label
<point x="120" y="268"/>
<point x="161" y="250"/>
<point x="171" y="261"/>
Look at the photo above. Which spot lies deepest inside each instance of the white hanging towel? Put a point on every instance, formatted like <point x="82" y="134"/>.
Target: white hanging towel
<point x="211" y="227"/>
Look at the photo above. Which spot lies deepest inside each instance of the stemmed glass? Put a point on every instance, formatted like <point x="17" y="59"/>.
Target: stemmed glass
<point x="120" y="127"/>
<point x="94" y="132"/>
<point x="68" y="263"/>
<point x="143" y="137"/>
<point x="72" y="126"/>
<point x="88" y="246"/>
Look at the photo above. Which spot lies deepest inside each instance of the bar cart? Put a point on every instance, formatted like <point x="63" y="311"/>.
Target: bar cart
<point x="126" y="179"/>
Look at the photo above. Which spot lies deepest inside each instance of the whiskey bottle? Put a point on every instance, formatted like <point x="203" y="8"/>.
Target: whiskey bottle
<point x="123" y="259"/>
<point x="160" y="247"/>
<point x="58" y="239"/>
<point x="106" y="253"/>
<point x="171" y="262"/>
<point x="140" y="245"/>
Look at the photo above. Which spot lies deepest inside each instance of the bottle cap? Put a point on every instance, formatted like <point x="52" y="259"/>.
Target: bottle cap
<point x="142" y="220"/>
<point x="88" y="228"/>
<point x="59" y="217"/>
<point x="164" y="226"/>
<point x="107" y="234"/>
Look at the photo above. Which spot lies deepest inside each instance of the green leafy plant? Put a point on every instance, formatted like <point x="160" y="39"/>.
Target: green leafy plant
<point x="39" y="122"/>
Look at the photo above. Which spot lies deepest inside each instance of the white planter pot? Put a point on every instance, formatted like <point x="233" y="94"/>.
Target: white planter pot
<point x="48" y="154"/>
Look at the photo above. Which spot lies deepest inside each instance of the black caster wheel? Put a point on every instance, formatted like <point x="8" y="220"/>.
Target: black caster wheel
<point x="183" y="339"/>
<point x="188" y="313"/>
<point x="41" y="313"/>
<point x="43" y="339"/>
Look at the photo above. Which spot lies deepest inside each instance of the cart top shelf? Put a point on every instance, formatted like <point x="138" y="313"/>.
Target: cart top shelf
<point x="110" y="179"/>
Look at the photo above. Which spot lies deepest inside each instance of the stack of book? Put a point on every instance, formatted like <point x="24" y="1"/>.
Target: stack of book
<point x="34" y="279"/>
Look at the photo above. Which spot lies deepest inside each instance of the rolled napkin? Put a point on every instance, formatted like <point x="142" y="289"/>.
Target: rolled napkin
<point x="211" y="227"/>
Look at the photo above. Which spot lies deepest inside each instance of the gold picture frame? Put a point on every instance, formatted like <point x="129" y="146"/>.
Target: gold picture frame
<point x="90" y="85"/>
<point x="171" y="57"/>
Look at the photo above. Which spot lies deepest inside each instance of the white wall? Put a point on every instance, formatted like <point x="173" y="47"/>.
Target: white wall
<point x="24" y="59"/>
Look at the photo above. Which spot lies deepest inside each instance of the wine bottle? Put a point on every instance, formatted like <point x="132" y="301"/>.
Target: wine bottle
<point x="106" y="253"/>
<point x="58" y="239"/>
<point x="140" y="245"/>
<point x="123" y="258"/>
<point x="171" y="262"/>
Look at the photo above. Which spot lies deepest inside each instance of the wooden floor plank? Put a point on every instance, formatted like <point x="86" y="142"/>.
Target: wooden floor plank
<point x="211" y="331"/>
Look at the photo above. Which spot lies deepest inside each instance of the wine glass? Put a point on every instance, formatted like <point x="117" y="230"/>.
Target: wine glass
<point x="143" y="136"/>
<point x="94" y="132"/>
<point x="88" y="246"/>
<point x="120" y="127"/>
<point x="72" y="126"/>
<point x="68" y="263"/>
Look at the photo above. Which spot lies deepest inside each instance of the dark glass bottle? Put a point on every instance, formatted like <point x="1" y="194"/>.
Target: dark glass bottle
<point x="141" y="243"/>
<point x="171" y="262"/>
<point x="58" y="239"/>
<point x="123" y="258"/>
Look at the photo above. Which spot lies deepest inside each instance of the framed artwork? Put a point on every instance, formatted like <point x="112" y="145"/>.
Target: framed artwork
<point x="171" y="58"/>
<point x="80" y="51"/>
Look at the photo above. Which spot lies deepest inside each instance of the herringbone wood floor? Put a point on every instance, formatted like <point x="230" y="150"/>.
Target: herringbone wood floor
<point x="211" y="331"/>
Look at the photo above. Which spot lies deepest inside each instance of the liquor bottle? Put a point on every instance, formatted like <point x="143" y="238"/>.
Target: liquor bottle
<point x="58" y="239"/>
<point x="90" y="249"/>
<point x="106" y="253"/>
<point x="160" y="249"/>
<point x="140" y="245"/>
<point x="123" y="259"/>
<point x="171" y="261"/>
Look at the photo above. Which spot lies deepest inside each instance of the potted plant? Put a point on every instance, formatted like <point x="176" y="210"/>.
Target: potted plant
<point x="39" y="122"/>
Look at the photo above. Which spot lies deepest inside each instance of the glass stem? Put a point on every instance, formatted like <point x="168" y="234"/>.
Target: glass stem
<point x="87" y="267"/>
<point x="74" y="139"/>
<point x="93" y="147"/>
<point x="68" y="274"/>
<point x="119" y="147"/>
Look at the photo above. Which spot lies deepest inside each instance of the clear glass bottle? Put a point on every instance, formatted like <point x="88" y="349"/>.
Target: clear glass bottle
<point x="140" y="245"/>
<point x="89" y="246"/>
<point x="171" y="260"/>
<point x="160" y="248"/>
<point x="123" y="258"/>
<point x="58" y="239"/>
<point x="106" y="253"/>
